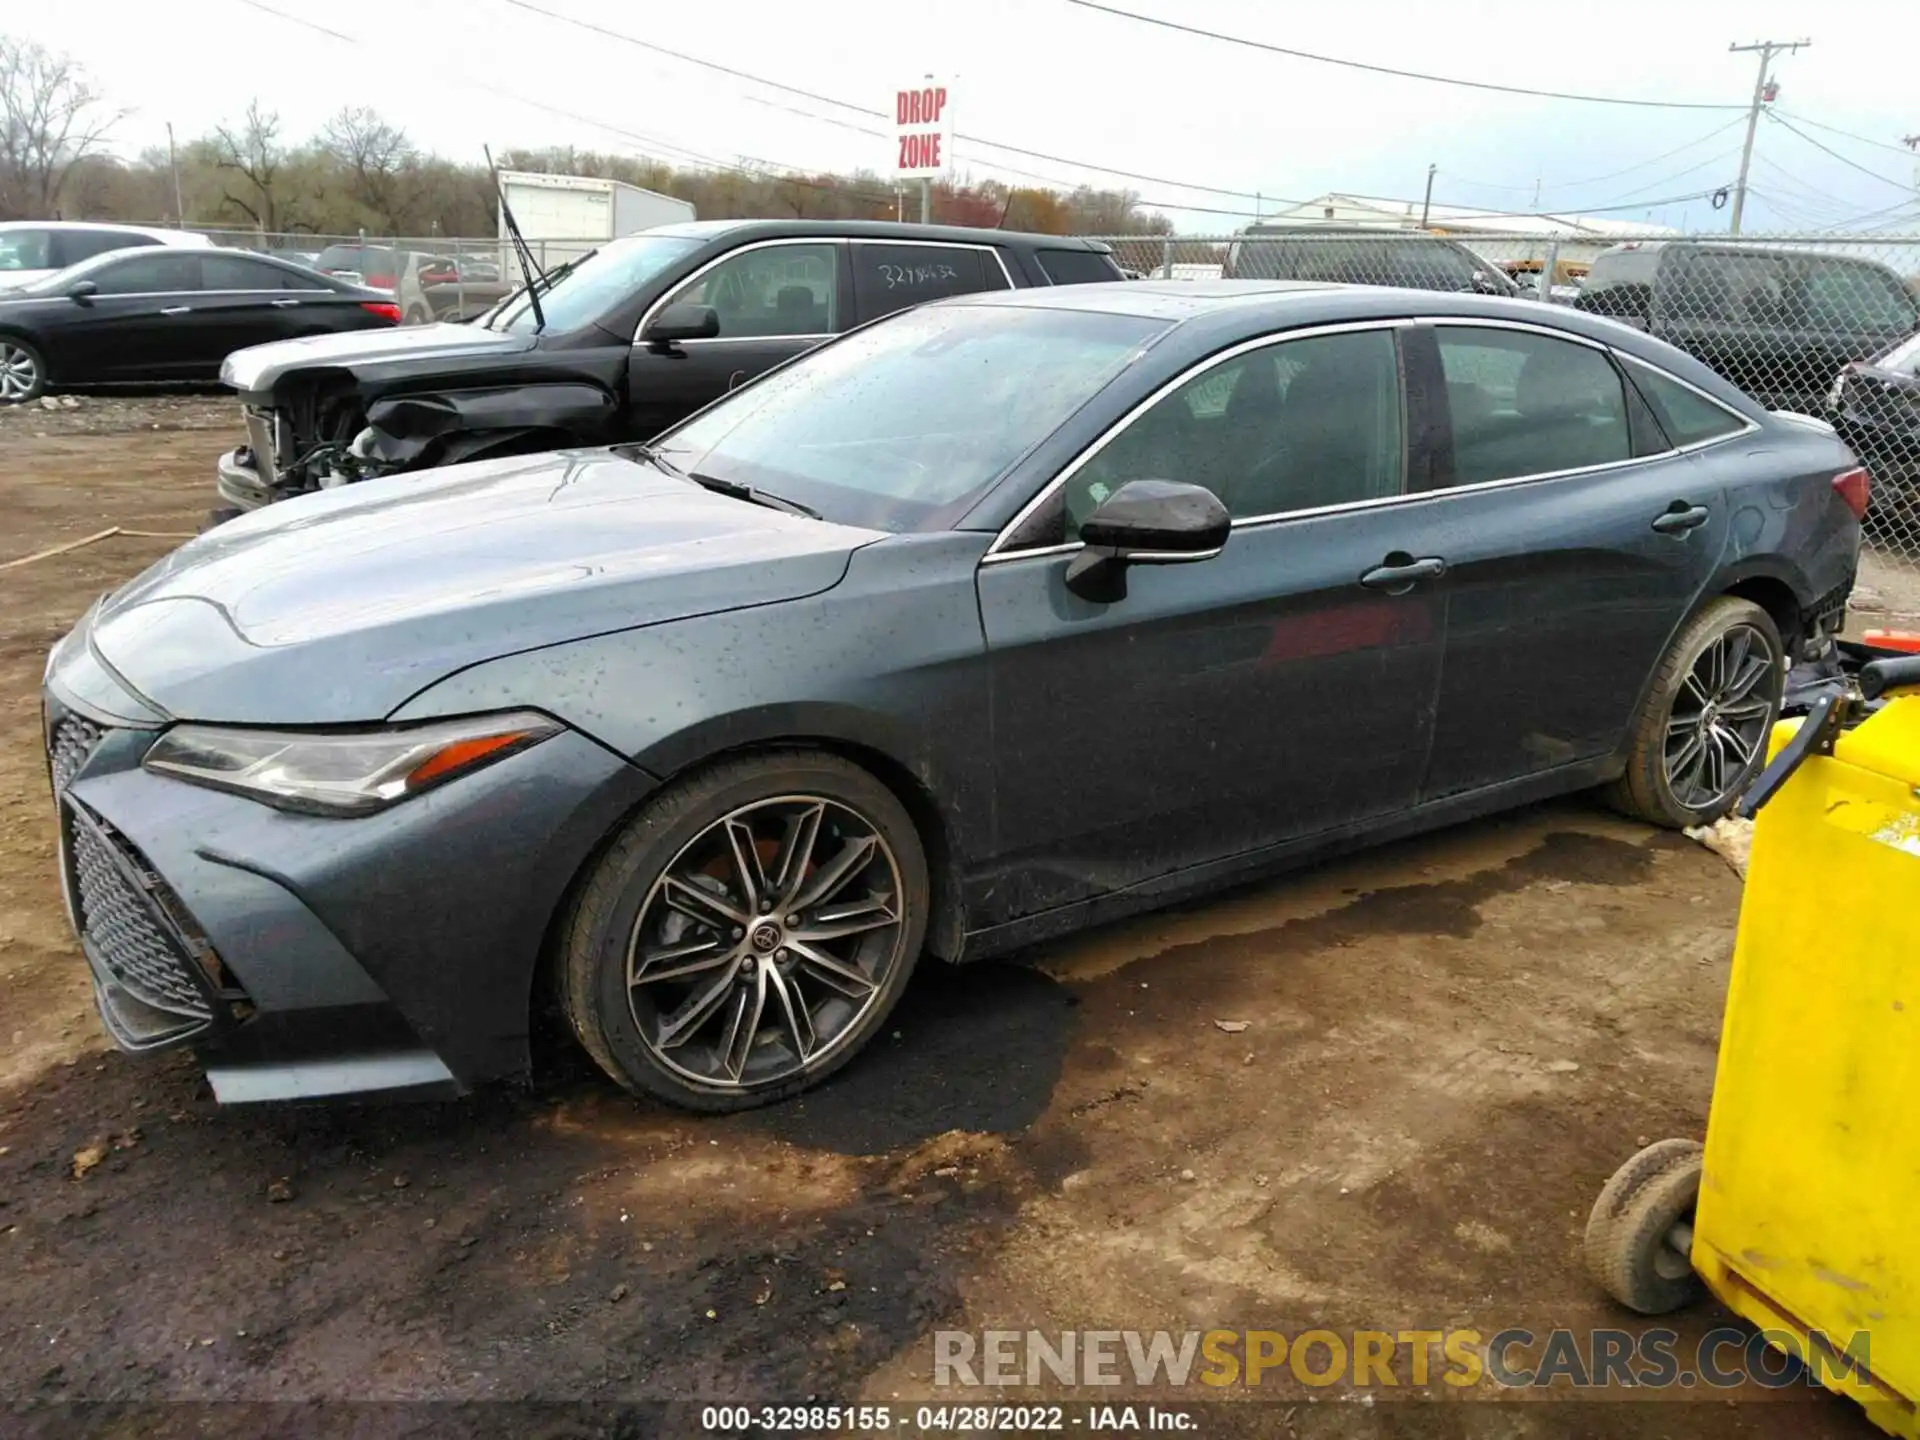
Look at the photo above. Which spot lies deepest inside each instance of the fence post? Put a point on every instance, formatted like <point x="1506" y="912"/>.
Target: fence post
<point x="1547" y="271"/>
<point x="1166" y="258"/>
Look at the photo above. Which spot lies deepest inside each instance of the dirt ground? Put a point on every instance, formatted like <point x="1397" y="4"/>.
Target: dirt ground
<point x="1432" y="1057"/>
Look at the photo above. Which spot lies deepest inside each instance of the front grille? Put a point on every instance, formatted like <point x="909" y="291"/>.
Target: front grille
<point x="122" y="923"/>
<point x="69" y="746"/>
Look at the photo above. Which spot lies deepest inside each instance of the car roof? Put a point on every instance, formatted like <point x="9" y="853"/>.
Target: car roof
<point x="1201" y="315"/>
<point x="875" y="230"/>
<point x="1170" y="300"/>
<point x="151" y="232"/>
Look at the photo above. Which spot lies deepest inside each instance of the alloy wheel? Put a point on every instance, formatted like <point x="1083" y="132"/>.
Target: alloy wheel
<point x="1720" y="717"/>
<point x="19" y="373"/>
<point x="765" y="941"/>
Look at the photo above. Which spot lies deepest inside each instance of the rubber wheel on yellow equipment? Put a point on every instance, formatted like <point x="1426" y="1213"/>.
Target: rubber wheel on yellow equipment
<point x="1627" y="1249"/>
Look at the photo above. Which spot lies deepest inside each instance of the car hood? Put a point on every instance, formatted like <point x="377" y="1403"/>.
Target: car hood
<point x="336" y="607"/>
<point x="259" y="367"/>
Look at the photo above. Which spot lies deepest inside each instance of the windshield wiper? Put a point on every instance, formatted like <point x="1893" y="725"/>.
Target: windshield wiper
<point x="520" y="245"/>
<point x="732" y="489"/>
<point x="735" y="490"/>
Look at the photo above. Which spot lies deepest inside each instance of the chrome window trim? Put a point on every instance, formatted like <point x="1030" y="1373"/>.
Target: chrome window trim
<point x="834" y="242"/>
<point x="1747" y="425"/>
<point x="998" y="554"/>
<point x="998" y="549"/>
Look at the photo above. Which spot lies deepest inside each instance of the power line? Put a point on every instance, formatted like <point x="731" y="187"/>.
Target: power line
<point x="1829" y="150"/>
<point x="875" y="112"/>
<point x="1559" y="185"/>
<point x="1900" y="150"/>
<point x="650" y="141"/>
<point x="1389" y="70"/>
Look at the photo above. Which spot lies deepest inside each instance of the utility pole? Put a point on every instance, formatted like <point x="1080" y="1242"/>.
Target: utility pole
<point x="1426" y="202"/>
<point x="173" y="164"/>
<point x="926" y="200"/>
<point x="1762" y="86"/>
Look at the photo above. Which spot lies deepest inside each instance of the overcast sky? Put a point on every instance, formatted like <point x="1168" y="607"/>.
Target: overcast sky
<point x="1090" y="88"/>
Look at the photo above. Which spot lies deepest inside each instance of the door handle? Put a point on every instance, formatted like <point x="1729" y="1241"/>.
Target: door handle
<point x="283" y="304"/>
<point x="176" y="310"/>
<point x="1400" y="574"/>
<point x="1682" y="517"/>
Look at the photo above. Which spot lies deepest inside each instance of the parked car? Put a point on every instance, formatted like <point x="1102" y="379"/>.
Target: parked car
<point x="1006" y="615"/>
<point x="1875" y="407"/>
<point x="1362" y="257"/>
<point x="31" y="250"/>
<point x="621" y="343"/>
<point x="156" y="315"/>
<point x="1778" y="321"/>
<point x="427" y="286"/>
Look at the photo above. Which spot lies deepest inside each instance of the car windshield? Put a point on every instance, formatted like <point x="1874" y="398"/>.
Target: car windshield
<point x="596" y="283"/>
<point x="904" y="424"/>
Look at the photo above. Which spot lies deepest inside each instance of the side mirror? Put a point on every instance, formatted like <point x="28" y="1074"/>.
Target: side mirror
<point x="81" y="292"/>
<point x="677" y="323"/>
<point x="1145" y="522"/>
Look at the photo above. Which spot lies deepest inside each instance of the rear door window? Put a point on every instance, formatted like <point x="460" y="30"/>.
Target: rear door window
<point x="1840" y="296"/>
<point x="1732" y="289"/>
<point x="1078" y="267"/>
<point x="160" y="273"/>
<point x="70" y="247"/>
<point x="234" y="272"/>
<point x="1527" y="404"/>
<point x="887" y="278"/>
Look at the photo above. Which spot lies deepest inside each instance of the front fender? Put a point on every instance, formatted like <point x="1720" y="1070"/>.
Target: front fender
<point x="447" y="426"/>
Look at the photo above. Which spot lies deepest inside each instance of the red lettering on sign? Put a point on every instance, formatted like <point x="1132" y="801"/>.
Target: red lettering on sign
<point x="933" y="148"/>
<point x="939" y="104"/>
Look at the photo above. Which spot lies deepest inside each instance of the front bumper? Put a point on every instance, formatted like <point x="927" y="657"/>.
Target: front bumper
<point x="239" y="483"/>
<point x="304" y="957"/>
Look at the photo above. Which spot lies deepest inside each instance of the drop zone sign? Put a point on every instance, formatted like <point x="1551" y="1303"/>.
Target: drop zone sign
<point x="923" y="131"/>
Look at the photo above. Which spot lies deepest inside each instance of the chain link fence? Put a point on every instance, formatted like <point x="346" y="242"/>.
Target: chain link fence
<point x="1822" y="325"/>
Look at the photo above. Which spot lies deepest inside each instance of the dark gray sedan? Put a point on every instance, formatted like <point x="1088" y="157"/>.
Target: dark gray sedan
<point x="990" y="620"/>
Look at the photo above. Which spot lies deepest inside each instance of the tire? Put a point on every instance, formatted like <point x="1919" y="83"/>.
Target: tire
<point x="1626" y="1247"/>
<point x="668" y="919"/>
<point x="23" y="371"/>
<point x="1723" y="714"/>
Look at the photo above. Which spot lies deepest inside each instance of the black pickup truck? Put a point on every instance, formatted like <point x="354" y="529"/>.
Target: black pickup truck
<point x="616" y="345"/>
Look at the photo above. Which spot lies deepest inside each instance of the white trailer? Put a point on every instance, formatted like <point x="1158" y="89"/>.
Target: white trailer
<point x="563" y="216"/>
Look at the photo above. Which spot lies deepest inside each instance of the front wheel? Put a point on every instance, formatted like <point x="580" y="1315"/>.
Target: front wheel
<point x="748" y="932"/>
<point x="23" y="371"/>
<point x="1701" y="735"/>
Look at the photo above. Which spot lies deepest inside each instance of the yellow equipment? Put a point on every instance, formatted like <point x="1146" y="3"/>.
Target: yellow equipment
<point x="1803" y="1212"/>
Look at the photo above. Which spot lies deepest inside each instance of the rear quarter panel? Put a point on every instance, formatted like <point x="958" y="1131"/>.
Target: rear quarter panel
<point x="1784" y="520"/>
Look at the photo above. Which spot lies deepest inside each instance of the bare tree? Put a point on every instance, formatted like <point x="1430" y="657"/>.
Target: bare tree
<point x="379" y="160"/>
<point x="256" y="157"/>
<point x="50" y="119"/>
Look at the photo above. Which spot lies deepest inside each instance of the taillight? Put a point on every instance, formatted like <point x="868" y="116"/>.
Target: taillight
<point x="1855" y="487"/>
<point x="390" y="312"/>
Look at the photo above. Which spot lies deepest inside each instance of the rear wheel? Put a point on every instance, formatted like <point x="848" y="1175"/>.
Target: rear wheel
<point x="748" y="932"/>
<point x="1701" y="736"/>
<point x="23" y="372"/>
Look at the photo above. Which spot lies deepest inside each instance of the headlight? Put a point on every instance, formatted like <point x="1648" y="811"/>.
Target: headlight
<point x="346" y="772"/>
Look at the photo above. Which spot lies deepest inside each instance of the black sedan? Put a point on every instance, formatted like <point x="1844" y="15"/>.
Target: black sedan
<point x="154" y="316"/>
<point x="1875" y="405"/>
<point x="990" y="620"/>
